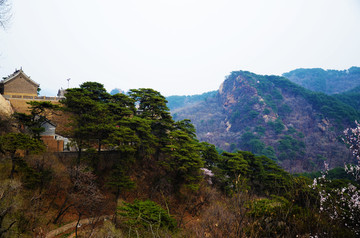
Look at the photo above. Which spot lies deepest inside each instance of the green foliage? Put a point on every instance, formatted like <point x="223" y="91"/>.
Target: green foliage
<point x="276" y="94"/>
<point x="351" y="97"/>
<point x="5" y="125"/>
<point x="247" y="136"/>
<point x="284" y="109"/>
<point x="290" y="148"/>
<point x="263" y="175"/>
<point x="121" y="106"/>
<point x="301" y="135"/>
<point x="291" y="130"/>
<point x="294" y="213"/>
<point x="11" y="142"/>
<point x="269" y="152"/>
<point x="152" y="106"/>
<point x="113" y="120"/>
<point x="256" y="146"/>
<point x="119" y="179"/>
<point x="95" y="91"/>
<point x="270" y="102"/>
<point x="276" y="125"/>
<point x="267" y="207"/>
<point x="91" y="118"/>
<point x="33" y="178"/>
<point x="260" y="130"/>
<point x="236" y="115"/>
<point x="325" y="81"/>
<point x="252" y="143"/>
<point x="252" y="115"/>
<point x="144" y="131"/>
<point x="39" y="114"/>
<point x="277" y="217"/>
<point x="327" y="105"/>
<point x="146" y="215"/>
<point x="333" y="174"/>
<point x="184" y="160"/>
<point x="139" y="127"/>
<point x="209" y="154"/>
<point x="186" y="126"/>
<point x="234" y="164"/>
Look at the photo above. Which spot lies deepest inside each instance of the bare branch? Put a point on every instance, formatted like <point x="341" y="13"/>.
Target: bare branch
<point x="5" y="13"/>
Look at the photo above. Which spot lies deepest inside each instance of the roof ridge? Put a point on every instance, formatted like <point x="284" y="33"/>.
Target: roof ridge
<point x="16" y="73"/>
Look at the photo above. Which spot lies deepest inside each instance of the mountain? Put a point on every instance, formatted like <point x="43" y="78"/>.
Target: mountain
<point x="175" y="102"/>
<point x="351" y="97"/>
<point x="326" y="81"/>
<point x="116" y="90"/>
<point x="270" y="115"/>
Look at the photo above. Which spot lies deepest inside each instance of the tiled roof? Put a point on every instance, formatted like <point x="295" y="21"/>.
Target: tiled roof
<point x="16" y="73"/>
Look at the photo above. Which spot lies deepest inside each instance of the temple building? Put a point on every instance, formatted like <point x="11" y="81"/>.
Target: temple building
<point x="18" y="85"/>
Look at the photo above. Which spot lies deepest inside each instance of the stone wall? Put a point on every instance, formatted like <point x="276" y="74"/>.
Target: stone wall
<point x="107" y="159"/>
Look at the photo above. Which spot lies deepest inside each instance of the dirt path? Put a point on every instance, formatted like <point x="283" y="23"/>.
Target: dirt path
<point x="72" y="225"/>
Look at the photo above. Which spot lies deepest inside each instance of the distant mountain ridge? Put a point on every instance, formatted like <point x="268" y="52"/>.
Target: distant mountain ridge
<point x="175" y="102"/>
<point x="272" y="116"/>
<point x="326" y="81"/>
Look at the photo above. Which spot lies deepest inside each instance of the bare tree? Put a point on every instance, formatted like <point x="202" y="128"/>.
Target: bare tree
<point x="9" y="203"/>
<point x="5" y="15"/>
<point x="86" y="196"/>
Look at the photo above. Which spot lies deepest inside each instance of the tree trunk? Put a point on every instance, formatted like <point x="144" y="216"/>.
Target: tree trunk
<point x="78" y="157"/>
<point x="117" y="195"/>
<point x="7" y="229"/>
<point x="99" y="148"/>
<point x="12" y="166"/>
<point x="77" y="224"/>
<point x="62" y="210"/>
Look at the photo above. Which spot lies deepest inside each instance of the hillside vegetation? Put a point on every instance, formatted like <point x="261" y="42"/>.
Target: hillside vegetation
<point x="326" y="81"/>
<point x="151" y="177"/>
<point x="270" y="115"/>
<point x="351" y="97"/>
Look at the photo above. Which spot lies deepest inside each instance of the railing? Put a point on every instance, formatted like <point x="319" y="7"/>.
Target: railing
<point x="27" y="97"/>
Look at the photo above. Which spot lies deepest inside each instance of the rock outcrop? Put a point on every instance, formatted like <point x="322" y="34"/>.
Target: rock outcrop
<point x="5" y="107"/>
<point x="272" y="116"/>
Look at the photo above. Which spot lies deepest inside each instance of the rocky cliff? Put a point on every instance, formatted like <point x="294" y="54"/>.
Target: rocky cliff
<point x="272" y="116"/>
<point x="5" y="107"/>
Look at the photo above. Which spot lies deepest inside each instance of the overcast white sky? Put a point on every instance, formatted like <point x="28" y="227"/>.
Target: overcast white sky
<point x="180" y="47"/>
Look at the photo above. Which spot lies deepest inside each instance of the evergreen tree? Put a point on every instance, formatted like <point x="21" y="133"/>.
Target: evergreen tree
<point x="11" y="143"/>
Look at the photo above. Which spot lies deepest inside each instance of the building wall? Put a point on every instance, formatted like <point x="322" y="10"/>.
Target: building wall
<point x="20" y="86"/>
<point x="49" y="129"/>
<point x="52" y="144"/>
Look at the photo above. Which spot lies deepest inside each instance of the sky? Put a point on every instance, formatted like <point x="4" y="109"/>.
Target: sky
<point x="177" y="47"/>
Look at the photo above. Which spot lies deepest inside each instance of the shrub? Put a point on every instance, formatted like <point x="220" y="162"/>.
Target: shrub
<point x="146" y="214"/>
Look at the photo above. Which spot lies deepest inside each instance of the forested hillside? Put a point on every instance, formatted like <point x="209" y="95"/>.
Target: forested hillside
<point x="326" y="81"/>
<point x="138" y="173"/>
<point x="269" y="115"/>
<point x="351" y="97"/>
